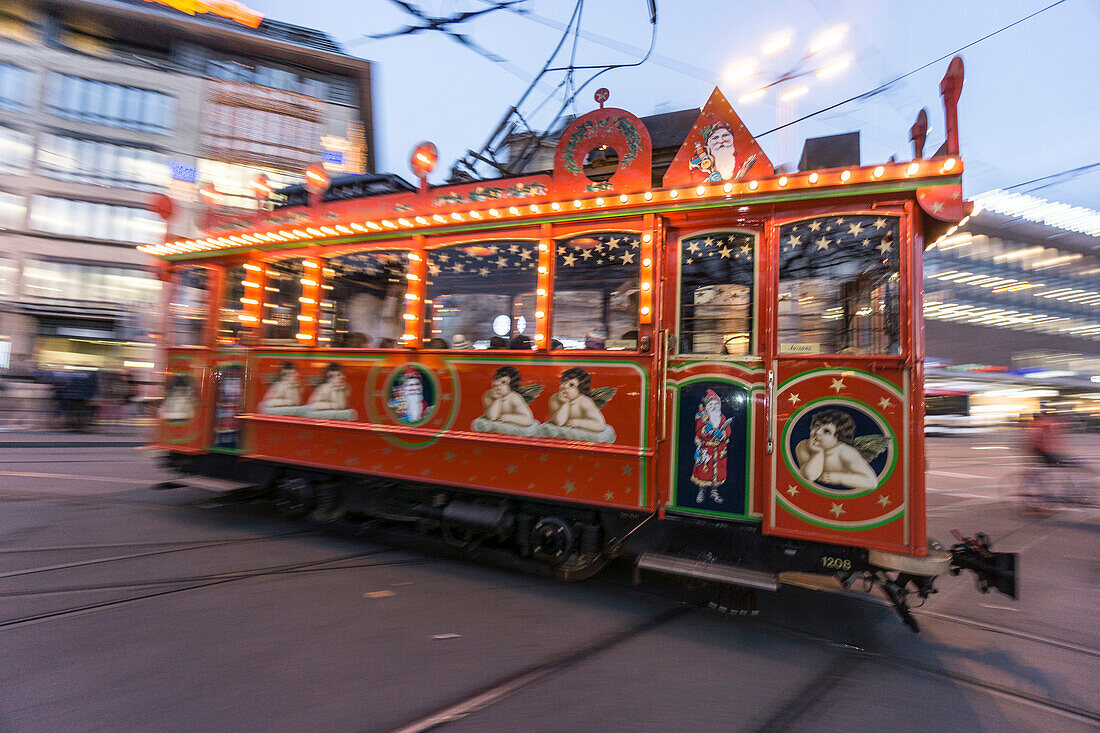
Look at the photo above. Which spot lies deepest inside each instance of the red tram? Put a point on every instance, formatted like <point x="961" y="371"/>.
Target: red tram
<point x="717" y="374"/>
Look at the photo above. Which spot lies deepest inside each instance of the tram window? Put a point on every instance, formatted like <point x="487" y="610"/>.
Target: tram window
<point x="596" y="280"/>
<point x="481" y="296"/>
<point x="230" y="325"/>
<point x="716" y="293"/>
<point x="363" y="299"/>
<point x="282" y="288"/>
<point x="838" y="286"/>
<point x="188" y="304"/>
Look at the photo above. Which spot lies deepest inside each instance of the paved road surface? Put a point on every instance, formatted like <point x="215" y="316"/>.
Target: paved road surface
<point x="123" y="608"/>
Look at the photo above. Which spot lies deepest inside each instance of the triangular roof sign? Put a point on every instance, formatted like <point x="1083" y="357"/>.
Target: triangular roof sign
<point x="718" y="148"/>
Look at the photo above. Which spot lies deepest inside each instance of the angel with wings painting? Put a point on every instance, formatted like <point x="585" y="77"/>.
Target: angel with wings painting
<point x="575" y="410"/>
<point x="833" y="456"/>
<point x="505" y="405"/>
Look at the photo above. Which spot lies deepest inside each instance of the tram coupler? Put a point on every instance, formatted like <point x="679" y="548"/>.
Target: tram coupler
<point x="995" y="570"/>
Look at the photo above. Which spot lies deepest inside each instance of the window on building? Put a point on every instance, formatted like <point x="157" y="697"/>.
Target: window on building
<point x="234" y="182"/>
<point x="87" y="100"/>
<point x="363" y="300"/>
<point x="596" y="280"/>
<point x="187" y="309"/>
<point x="13" y="210"/>
<point x="95" y="221"/>
<point x="16" y="87"/>
<point x="93" y="283"/>
<point x="89" y="161"/>
<point x="16" y="149"/>
<point x="234" y="295"/>
<point x="481" y="296"/>
<point x="281" y="308"/>
<point x="838" y="286"/>
<point x="7" y="276"/>
<point x="716" y="293"/>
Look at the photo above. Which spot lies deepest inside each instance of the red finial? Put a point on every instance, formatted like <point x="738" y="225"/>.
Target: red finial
<point x="951" y="89"/>
<point x="601" y="95"/>
<point x="918" y="133"/>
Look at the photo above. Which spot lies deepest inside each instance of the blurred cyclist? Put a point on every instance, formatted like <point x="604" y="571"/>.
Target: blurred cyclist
<point x="1045" y="439"/>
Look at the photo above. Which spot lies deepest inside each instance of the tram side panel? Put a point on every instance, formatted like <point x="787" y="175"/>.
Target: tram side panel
<point x="562" y="428"/>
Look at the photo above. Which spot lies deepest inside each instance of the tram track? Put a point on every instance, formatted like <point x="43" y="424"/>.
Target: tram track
<point x="218" y="579"/>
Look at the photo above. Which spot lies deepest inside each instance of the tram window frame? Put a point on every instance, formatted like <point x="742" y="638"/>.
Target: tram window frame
<point x="598" y="337"/>
<point x="207" y="289"/>
<point x="329" y="295"/>
<point x="755" y="343"/>
<point x="232" y="292"/>
<point x="267" y="302"/>
<point x="891" y="330"/>
<point x="522" y="313"/>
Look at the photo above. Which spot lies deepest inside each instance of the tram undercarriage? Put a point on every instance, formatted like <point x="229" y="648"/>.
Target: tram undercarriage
<point x="730" y="560"/>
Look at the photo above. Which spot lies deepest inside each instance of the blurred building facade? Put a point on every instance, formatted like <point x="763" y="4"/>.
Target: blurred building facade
<point x="106" y="103"/>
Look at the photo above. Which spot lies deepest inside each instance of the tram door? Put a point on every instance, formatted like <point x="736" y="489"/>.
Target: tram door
<point x="714" y="376"/>
<point x="836" y="383"/>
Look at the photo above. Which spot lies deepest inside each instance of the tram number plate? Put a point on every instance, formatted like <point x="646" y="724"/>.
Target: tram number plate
<point x="836" y="563"/>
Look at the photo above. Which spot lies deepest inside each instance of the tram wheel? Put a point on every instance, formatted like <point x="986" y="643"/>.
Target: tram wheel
<point x="551" y="540"/>
<point x="328" y="505"/>
<point x="294" y="496"/>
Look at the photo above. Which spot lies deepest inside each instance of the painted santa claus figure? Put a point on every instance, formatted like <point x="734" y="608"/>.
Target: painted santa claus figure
<point x="712" y="437"/>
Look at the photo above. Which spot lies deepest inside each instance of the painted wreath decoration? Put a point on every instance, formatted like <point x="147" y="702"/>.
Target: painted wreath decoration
<point x="589" y="128"/>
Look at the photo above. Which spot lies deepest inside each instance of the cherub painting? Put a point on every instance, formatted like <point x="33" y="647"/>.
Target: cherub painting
<point x="284" y="396"/>
<point x="329" y="400"/>
<point x="505" y="405"/>
<point x="179" y="403"/>
<point x="575" y="410"/>
<point x="834" y="457"/>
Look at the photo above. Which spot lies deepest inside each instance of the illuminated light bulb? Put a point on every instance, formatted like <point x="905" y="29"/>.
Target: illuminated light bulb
<point x="475" y="214"/>
<point x="250" y="284"/>
<point x="647" y="262"/>
<point x="237" y="240"/>
<point x="410" y="316"/>
<point x="544" y="247"/>
<point x="646" y="285"/>
<point x="494" y="212"/>
<point x="542" y="269"/>
<point x="538" y="337"/>
<point x="309" y="263"/>
<point x="513" y="211"/>
<point x="542" y="292"/>
<point x="728" y="187"/>
<point x="647" y="237"/>
<point x="623" y="199"/>
<point x="700" y="191"/>
<point x="949" y="164"/>
<point x="342" y="229"/>
<point x="306" y="319"/>
<point x="878" y="171"/>
<point x="388" y="224"/>
<point x="599" y="201"/>
<point x="782" y="181"/>
<point x="328" y="230"/>
<point x="534" y="208"/>
<point x="412" y="276"/>
<point x="673" y="193"/>
<point x="645" y="310"/>
<point x="414" y="257"/>
<point x="421" y="221"/>
<point x="300" y="234"/>
<point x="311" y="231"/>
<point x="753" y="185"/>
<point x="309" y="301"/>
<point x="845" y="176"/>
<point x="307" y="281"/>
<point x="648" y="195"/>
<point x="813" y="178"/>
<point x="912" y="169"/>
<point x="410" y="296"/>
<point x="404" y="222"/>
<point x="456" y="216"/>
<point x="372" y="225"/>
<point x="540" y="314"/>
<point x="439" y="218"/>
<point x="555" y="206"/>
<point x="302" y="336"/>
<point x="250" y="301"/>
<point x="252" y="267"/>
<point x="407" y="337"/>
<point x="246" y="317"/>
<point x="576" y="203"/>
<point x="358" y="227"/>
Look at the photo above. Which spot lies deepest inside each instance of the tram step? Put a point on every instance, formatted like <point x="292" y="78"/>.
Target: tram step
<point x="717" y="572"/>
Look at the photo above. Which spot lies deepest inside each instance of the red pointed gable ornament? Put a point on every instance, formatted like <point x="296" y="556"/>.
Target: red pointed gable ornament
<point x="718" y="148"/>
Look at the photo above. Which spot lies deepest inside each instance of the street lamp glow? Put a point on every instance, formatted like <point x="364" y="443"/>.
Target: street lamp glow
<point x="777" y="44"/>
<point x="828" y="39"/>
<point x="794" y="94"/>
<point x="833" y="69"/>
<point x="751" y="96"/>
